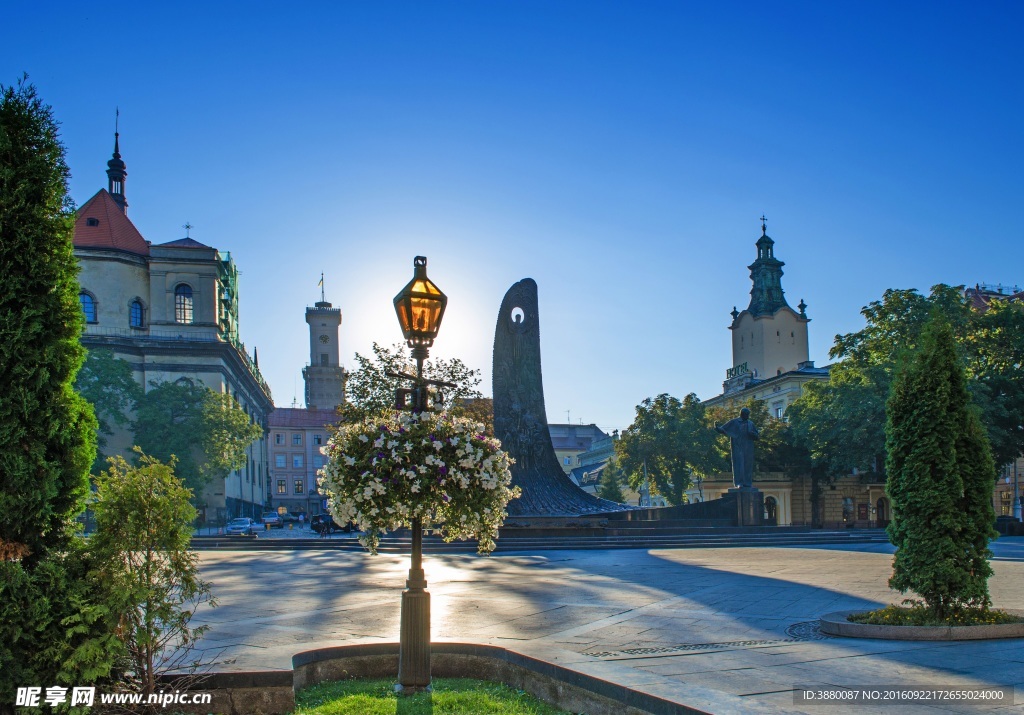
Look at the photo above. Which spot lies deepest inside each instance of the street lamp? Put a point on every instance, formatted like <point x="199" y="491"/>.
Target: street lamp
<point x="420" y="308"/>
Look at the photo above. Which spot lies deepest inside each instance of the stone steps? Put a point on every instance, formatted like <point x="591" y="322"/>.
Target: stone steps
<point x="431" y="544"/>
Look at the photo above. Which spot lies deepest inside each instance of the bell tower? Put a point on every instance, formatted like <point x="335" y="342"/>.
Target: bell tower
<point x="769" y="338"/>
<point x="117" y="172"/>
<point x="324" y="376"/>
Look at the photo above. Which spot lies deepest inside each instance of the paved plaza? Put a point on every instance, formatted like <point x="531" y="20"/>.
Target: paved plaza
<point x="693" y="623"/>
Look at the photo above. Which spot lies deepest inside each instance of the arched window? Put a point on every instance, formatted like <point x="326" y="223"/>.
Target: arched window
<point x="135" y="314"/>
<point x="183" y="304"/>
<point x="88" y="306"/>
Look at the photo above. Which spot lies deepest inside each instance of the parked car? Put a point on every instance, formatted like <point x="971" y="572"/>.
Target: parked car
<point x="325" y="524"/>
<point x="273" y="519"/>
<point x="242" y="526"/>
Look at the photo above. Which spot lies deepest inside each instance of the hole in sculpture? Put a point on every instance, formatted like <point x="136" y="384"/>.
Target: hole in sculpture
<point x="518" y="315"/>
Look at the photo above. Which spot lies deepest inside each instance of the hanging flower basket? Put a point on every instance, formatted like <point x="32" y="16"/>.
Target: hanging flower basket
<point x="382" y="473"/>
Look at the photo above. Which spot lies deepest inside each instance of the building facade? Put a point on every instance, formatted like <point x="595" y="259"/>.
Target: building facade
<point x="171" y="311"/>
<point x="296" y="437"/>
<point x="571" y="440"/>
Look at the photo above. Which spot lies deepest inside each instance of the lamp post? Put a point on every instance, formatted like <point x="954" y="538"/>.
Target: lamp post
<point x="420" y="308"/>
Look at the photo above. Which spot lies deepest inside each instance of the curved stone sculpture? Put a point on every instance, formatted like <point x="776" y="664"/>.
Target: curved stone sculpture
<point x="520" y="420"/>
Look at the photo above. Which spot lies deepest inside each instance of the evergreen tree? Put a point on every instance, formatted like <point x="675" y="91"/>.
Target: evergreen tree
<point x="610" y="487"/>
<point x="940" y="475"/>
<point x="47" y="431"/>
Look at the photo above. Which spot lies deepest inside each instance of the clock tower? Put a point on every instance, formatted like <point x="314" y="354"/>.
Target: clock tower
<point x="324" y="376"/>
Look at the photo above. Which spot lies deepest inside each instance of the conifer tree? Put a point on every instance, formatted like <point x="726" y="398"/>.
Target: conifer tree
<point x="47" y="432"/>
<point x="940" y="475"/>
<point x="610" y="487"/>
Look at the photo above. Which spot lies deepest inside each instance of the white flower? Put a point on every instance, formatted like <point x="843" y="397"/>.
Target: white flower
<point x="348" y="460"/>
<point x="379" y="442"/>
<point x="363" y="438"/>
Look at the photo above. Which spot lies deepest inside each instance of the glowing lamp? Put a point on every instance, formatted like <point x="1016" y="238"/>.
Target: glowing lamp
<point x="420" y="307"/>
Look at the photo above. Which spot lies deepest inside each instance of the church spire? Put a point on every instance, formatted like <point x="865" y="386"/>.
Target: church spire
<point x="766" y="296"/>
<point x="116" y="172"/>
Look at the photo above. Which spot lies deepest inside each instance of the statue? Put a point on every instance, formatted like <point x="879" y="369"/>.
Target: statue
<point x="741" y="433"/>
<point x="520" y="419"/>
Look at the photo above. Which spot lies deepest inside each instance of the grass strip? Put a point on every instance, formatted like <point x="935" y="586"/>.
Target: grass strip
<point x="450" y="696"/>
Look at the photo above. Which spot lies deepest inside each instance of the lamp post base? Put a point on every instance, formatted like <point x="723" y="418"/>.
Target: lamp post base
<point x="414" y="648"/>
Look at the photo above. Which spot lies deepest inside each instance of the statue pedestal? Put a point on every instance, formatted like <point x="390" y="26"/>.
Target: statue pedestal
<point x="749" y="506"/>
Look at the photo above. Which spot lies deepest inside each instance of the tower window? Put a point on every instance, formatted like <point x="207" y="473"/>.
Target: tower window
<point x="92" y="222"/>
<point x="88" y="306"/>
<point x="183" y="304"/>
<point x="323" y="359"/>
<point x="135" y="313"/>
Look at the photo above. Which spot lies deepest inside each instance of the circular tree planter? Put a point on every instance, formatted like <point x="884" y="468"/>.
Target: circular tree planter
<point x="836" y="624"/>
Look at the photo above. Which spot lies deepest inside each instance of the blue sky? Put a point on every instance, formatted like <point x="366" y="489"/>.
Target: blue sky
<point x="618" y="153"/>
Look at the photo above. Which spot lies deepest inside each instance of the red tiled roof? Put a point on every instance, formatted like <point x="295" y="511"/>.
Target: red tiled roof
<point x="299" y="417"/>
<point x="114" y="229"/>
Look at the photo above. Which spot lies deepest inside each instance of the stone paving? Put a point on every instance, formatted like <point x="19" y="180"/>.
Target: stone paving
<point x="696" y="623"/>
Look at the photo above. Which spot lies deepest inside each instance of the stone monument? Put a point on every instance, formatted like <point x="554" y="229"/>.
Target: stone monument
<point x="520" y="419"/>
<point x="742" y="434"/>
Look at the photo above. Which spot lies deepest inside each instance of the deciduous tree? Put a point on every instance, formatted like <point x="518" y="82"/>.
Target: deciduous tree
<point x="371" y="391"/>
<point x="206" y="432"/>
<point x="672" y="441"/>
<point x="144" y="565"/>
<point x="107" y="382"/>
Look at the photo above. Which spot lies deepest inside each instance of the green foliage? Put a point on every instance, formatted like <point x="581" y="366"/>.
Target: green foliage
<point x="369" y="391"/>
<point x="841" y="422"/>
<point x="449" y="695"/>
<point x="47" y="432"/>
<point x="226" y="433"/>
<point x="205" y="431"/>
<point x="610" y="487"/>
<point x="921" y="615"/>
<point x="142" y="561"/>
<point x="673" y="440"/>
<point x="108" y="384"/>
<point x="940" y="475"/>
<point x="53" y="627"/>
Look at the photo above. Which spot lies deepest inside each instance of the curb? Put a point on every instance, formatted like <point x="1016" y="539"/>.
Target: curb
<point x="836" y="624"/>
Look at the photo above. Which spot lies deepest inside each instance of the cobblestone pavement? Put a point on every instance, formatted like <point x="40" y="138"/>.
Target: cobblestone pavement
<point x="740" y="621"/>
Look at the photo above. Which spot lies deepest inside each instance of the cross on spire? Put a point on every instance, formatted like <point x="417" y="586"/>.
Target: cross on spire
<point x="764" y="226"/>
<point x="188" y="227"/>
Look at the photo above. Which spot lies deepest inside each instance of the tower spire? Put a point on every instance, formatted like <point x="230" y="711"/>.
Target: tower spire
<point x="116" y="172"/>
<point x="767" y="295"/>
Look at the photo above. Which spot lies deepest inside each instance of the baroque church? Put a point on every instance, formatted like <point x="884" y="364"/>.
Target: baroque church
<point x="171" y="311"/>
<point x="771" y="363"/>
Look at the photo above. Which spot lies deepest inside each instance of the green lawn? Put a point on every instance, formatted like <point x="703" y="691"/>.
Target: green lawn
<point x="450" y="696"/>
